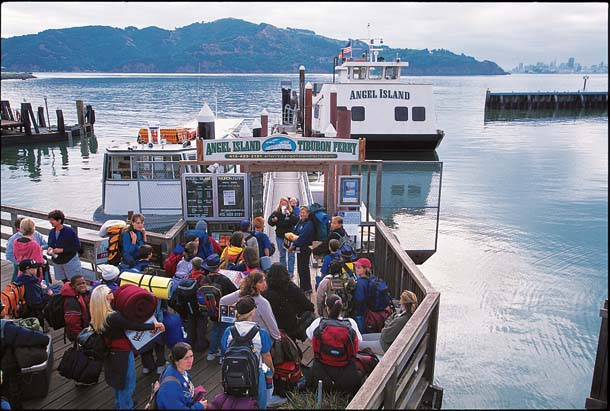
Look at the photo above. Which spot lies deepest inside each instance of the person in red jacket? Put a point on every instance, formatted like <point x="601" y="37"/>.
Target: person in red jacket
<point x="76" y="306"/>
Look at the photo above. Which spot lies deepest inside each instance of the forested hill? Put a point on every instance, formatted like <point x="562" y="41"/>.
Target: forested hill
<point x="221" y="46"/>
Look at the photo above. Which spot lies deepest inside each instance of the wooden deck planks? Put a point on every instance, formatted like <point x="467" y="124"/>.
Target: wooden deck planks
<point x="63" y="394"/>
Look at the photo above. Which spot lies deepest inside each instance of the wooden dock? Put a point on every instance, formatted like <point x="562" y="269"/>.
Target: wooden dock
<point x="63" y="394"/>
<point x="16" y="128"/>
<point x="595" y="100"/>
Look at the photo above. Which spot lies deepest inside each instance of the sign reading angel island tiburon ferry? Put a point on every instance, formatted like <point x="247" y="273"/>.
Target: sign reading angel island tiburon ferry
<point x="280" y="146"/>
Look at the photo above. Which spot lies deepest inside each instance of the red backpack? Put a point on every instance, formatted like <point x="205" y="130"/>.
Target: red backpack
<point x="334" y="342"/>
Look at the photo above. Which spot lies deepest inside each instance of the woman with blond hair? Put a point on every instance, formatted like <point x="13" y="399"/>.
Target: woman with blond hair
<point x="283" y="219"/>
<point x="119" y="364"/>
<point x="380" y="342"/>
<point x="26" y="246"/>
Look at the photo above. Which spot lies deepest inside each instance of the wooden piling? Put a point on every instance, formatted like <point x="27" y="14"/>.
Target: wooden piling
<point x="41" y="119"/>
<point x="80" y="112"/>
<point x="308" y="110"/>
<point x="7" y="113"/>
<point x="25" y="118"/>
<point x="31" y="114"/>
<point x="61" y="127"/>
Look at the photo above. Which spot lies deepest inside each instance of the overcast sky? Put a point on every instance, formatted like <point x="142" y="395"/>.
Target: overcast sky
<point x="506" y="33"/>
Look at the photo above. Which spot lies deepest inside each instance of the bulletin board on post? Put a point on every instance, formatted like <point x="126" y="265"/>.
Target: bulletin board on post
<point x="215" y="196"/>
<point x="349" y="191"/>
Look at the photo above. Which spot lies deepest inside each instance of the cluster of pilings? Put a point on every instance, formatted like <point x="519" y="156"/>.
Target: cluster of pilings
<point x="596" y="100"/>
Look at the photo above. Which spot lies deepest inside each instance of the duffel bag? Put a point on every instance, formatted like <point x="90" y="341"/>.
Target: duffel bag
<point x="224" y="401"/>
<point x="77" y="366"/>
<point x="375" y="320"/>
<point x="366" y="360"/>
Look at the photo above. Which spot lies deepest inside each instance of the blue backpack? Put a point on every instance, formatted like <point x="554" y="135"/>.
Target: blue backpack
<point x="321" y="221"/>
<point x="378" y="295"/>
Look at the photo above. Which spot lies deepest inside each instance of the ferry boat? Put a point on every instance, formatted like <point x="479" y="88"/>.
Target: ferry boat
<point x="389" y="113"/>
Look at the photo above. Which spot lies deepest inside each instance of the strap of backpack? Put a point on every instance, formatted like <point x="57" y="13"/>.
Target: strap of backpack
<point x="248" y="337"/>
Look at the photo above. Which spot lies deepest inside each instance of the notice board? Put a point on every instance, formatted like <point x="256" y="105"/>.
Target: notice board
<point x="215" y="196"/>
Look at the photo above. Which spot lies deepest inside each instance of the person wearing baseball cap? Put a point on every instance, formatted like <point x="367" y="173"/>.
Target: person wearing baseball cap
<point x="35" y="296"/>
<point x="363" y="270"/>
<point x="246" y="308"/>
<point x="249" y="236"/>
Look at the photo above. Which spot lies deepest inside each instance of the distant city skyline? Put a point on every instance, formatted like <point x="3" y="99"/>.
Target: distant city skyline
<point x="571" y="65"/>
<point x="505" y="33"/>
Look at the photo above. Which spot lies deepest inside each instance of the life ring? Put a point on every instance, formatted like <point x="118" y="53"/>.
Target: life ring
<point x="18" y="115"/>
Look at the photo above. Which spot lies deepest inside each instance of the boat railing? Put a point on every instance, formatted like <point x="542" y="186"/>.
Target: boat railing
<point x="87" y="232"/>
<point x="288" y="116"/>
<point x="405" y="374"/>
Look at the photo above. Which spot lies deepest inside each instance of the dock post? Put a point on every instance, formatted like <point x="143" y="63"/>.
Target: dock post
<point x="264" y="123"/>
<point x="25" y="118"/>
<point x="31" y="114"/>
<point x="308" y="111"/>
<point x="41" y="119"/>
<point x="333" y="106"/>
<point x="61" y="127"/>
<point x="301" y="96"/>
<point x="80" y="112"/>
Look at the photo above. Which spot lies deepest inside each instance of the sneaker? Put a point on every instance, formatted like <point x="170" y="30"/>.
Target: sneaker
<point x="276" y="401"/>
<point x="219" y="360"/>
<point x="145" y="370"/>
<point x="212" y="356"/>
<point x="160" y="369"/>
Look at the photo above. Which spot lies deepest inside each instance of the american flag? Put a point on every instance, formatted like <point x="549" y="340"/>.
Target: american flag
<point x="346" y="49"/>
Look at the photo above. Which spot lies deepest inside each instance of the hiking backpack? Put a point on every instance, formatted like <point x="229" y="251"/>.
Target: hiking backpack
<point x="171" y="263"/>
<point x="334" y="343"/>
<point x="184" y="299"/>
<point x="345" y="287"/>
<point x="53" y="312"/>
<point x="378" y="295"/>
<point x="208" y="298"/>
<point x="240" y="365"/>
<point x="115" y="245"/>
<point x="321" y="221"/>
<point x="13" y="300"/>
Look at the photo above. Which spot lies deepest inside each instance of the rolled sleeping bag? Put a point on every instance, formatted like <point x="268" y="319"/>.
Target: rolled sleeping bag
<point x="109" y="224"/>
<point x="160" y="287"/>
<point x="135" y="303"/>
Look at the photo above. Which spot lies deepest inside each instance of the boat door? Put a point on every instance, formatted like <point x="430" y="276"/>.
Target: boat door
<point x="120" y="190"/>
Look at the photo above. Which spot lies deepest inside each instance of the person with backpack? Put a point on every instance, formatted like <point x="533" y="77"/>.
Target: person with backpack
<point x="335" y="341"/>
<point x="176" y="389"/>
<point x="198" y="273"/>
<point x="306" y="231"/>
<point x="380" y="342"/>
<point x="76" y="306"/>
<point x="13" y="336"/>
<point x="370" y="296"/>
<point x="337" y="232"/>
<point x="233" y="254"/>
<point x="184" y="267"/>
<point x="132" y="236"/>
<point x="250" y="238"/>
<point x="251" y="260"/>
<point x="242" y="372"/>
<point x="283" y="219"/>
<point x="119" y="364"/>
<point x="340" y="282"/>
<point x="288" y="302"/>
<point x="27" y="247"/>
<point x="64" y="246"/>
<point x="254" y="285"/>
<point x="36" y="297"/>
<point x="145" y="254"/>
<point x="10" y="255"/>
<point x="264" y="244"/>
<point x="214" y="286"/>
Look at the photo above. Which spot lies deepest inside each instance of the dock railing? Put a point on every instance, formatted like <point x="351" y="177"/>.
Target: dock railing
<point x="406" y="371"/>
<point x="87" y="232"/>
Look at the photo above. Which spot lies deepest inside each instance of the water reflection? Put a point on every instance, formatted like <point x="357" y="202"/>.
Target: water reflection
<point x="508" y="115"/>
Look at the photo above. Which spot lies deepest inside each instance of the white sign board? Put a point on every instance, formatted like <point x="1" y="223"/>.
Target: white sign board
<point x="282" y="147"/>
<point x="139" y="339"/>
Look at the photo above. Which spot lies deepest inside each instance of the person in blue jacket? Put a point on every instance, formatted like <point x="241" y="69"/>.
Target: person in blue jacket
<point x="35" y="296"/>
<point x="205" y="245"/>
<point x="133" y="236"/>
<point x="64" y="246"/>
<point x="176" y="391"/>
<point x="306" y="232"/>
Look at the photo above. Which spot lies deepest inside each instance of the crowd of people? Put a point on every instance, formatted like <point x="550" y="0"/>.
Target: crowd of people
<point x="266" y="304"/>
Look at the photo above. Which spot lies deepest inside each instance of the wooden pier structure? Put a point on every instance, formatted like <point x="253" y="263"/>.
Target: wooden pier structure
<point x="552" y="100"/>
<point x="16" y="126"/>
<point x="403" y="379"/>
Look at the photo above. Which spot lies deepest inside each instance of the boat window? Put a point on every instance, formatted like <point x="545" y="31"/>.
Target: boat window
<point x="419" y="113"/>
<point x="375" y="73"/>
<point x="390" y="73"/>
<point x="358" y="113"/>
<point x="316" y="111"/>
<point x="120" y="168"/>
<point x="359" y="73"/>
<point x="159" y="167"/>
<point x="401" y="113"/>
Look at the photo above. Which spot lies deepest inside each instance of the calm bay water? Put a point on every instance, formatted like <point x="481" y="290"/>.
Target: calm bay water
<point x="522" y="260"/>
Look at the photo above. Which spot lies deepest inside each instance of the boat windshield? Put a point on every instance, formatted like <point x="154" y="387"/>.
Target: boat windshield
<point x="144" y="167"/>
